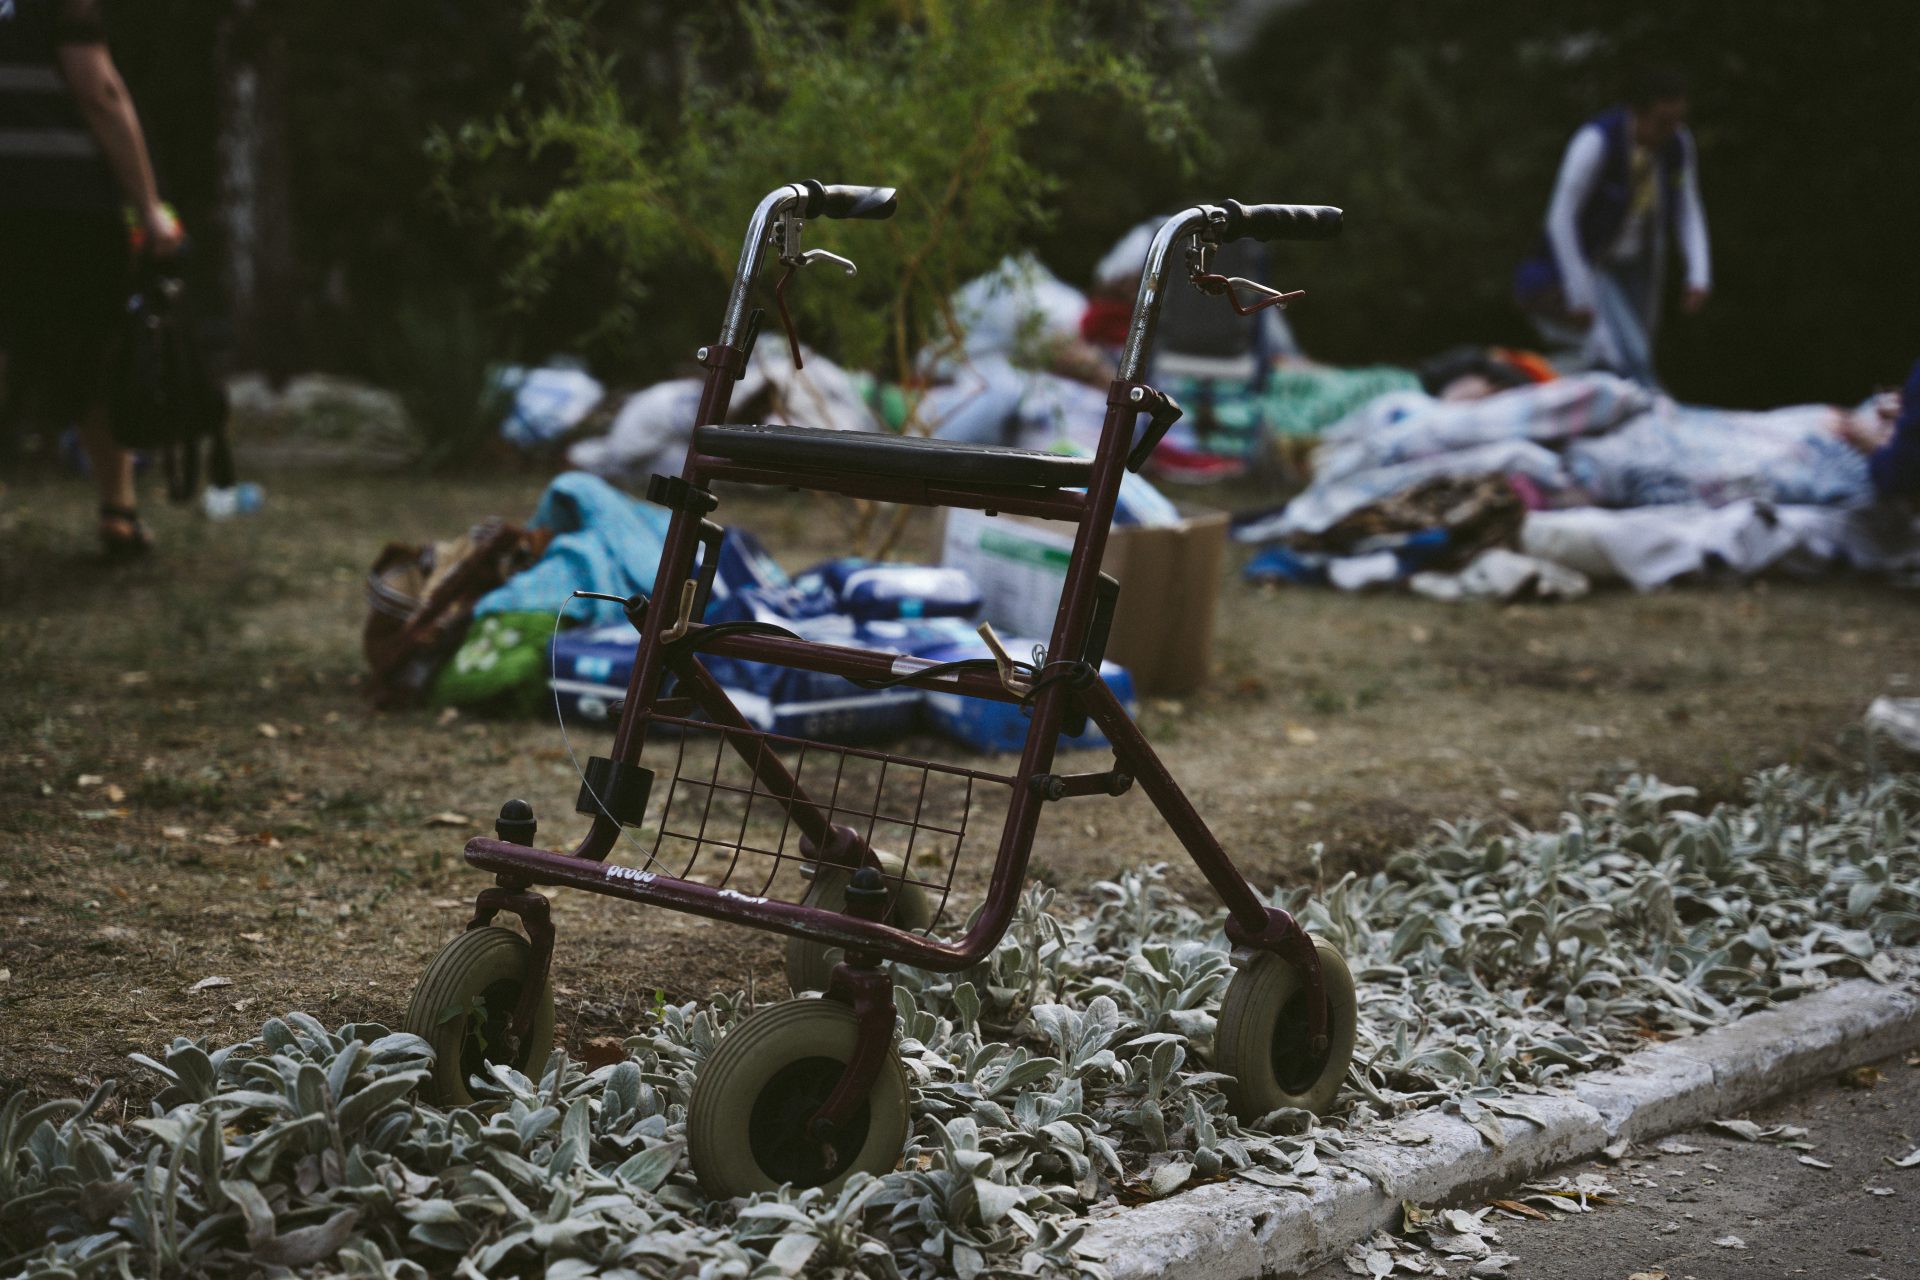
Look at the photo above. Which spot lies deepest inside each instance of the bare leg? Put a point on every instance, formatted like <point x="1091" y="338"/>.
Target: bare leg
<point x="112" y="469"/>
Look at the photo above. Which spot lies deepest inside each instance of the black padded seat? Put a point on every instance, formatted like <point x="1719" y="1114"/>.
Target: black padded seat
<point x="871" y="453"/>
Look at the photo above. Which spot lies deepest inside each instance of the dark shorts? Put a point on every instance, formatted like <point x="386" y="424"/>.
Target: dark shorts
<point x="63" y="286"/>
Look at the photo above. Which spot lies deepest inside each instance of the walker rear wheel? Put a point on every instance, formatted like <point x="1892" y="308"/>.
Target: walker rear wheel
<point x="747" y="1122"/>
<point x="464" y="1006"/>
<point x="1262" y="1039"/>
<point x="809" y="963"/>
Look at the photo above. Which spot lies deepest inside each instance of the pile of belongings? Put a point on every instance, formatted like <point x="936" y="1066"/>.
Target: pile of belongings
<point x="651" y="428"/>
<point x="1250" y="394"/>
<point x="1612" y="482"/>
<point x="916" y="611"/>
<point x="491" y="622"/>
<point x="542" y="405"/>
<point x="1026" y="369"/>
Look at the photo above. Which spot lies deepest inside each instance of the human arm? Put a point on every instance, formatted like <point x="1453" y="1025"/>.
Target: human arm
<point x="1579" y="171"/>
<point x="104" y="103"/>
<point x="1692" y="220"/>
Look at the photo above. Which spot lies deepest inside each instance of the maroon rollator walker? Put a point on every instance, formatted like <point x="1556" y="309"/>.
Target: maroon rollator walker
<point x="852" y="853"/>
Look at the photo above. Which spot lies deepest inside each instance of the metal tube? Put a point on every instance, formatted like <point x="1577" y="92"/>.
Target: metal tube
<point x="751" y="254"/>
<point x="834" y="928"/>
<point x="1132" y="752"/>
<point x="1146" y="303"/>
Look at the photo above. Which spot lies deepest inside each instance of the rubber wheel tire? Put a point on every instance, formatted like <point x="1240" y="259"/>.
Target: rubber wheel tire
<point x="462" y="1007"/>
<point x="1261" y="1039"/>
<point x="810" y="963"/>
<point x="757" y="1090"/>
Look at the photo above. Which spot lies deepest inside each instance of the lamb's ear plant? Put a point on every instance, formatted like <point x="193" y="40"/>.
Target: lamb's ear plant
<point x="1069" y="1068"/>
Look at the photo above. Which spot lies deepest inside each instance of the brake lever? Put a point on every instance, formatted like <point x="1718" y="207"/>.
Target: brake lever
<point x="812" y="256"/>
<point x="1228" y="287"/>
<point x="788" y="233"/>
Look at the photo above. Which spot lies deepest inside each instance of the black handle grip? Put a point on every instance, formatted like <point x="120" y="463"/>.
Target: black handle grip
<point x="1280" y="221"/>
<point x="874" y="203"/>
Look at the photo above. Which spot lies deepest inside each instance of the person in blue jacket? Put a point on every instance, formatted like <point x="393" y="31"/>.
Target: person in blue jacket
<point x="1628" y="195"/>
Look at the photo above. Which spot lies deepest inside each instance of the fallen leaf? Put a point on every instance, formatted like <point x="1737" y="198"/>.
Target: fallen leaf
<point x="6" y="975"/>
<point x="174" y="833"/>
<point x="1414" y="1218"/>
<point x="1379" y="1263"/>
<point x="450" y="904"/>
<point x="88" y="780"/>
<point x="207" y="984"/>
<point x="1741" y="1129"/>
<point x="114" y="794"/>
<point x="1648" y="1275"/>
<point x="603" y="1051"/>
<point x="1811" y="1163"/>
<point x="1169" y="1177"/>
<point x="254" y="937"/>
<point x="449" y="819"/>
<point x="1675" y="1147"/>
<point x="131" y="678"/>
<point x="1872" y="1191"/>
<point x="1459" y="1246"/>
<point x="448" y="716"/>
<point x="1907" y="1161"/>
<point x="1731" y="1242"/>
<point x="1298" y="735"/>
<point x="267" y="730"/>
<point x="1861" y="1077"/>
<point x="1519" y="1210"/>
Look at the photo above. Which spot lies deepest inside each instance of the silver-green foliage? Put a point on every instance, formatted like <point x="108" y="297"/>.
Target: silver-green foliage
<point x="1066" y="1070"/>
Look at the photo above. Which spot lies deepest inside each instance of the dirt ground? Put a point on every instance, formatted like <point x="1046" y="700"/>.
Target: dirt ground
<point x="191" y="787"/>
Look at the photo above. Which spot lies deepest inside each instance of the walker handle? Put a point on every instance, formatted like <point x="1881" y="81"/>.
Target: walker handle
<point x="874" y="203"/>
<point x="1280" y="222"/>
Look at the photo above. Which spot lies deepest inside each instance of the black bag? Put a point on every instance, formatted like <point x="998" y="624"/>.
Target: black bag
<point x="163" y="397"/>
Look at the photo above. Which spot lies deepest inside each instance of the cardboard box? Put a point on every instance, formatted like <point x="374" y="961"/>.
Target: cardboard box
<point x="1169" y="586"/>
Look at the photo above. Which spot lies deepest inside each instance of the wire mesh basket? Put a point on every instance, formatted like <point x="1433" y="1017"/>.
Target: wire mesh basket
<point x="715" y="819"/>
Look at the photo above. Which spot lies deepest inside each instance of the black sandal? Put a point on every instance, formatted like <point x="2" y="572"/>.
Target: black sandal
<point x="123" y="536"/>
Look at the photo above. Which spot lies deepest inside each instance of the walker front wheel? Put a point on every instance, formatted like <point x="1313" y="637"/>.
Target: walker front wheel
<point x="809" y="963"/>
<point x="747" y="1122"/>
<point x="1262" y="1039"/>
<point x="464" y="1007"/>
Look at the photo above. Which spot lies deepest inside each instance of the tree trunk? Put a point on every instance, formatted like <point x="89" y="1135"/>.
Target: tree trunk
<point x="255" y="199"/>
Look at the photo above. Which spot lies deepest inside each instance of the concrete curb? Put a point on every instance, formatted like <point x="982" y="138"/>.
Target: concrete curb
<point x="1236" y="1230"/>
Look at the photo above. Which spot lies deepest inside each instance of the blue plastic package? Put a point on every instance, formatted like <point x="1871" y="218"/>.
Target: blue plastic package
<point x="1002" y="726"/>
<point x="869" y="589"/>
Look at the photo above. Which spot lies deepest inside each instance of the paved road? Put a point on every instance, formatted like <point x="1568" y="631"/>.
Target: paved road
<point x="1794" y="1219"/>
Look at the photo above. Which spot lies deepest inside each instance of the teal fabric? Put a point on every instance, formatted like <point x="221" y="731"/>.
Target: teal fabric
<point x="1294" y="402"/>
<point x="603" y="541"/>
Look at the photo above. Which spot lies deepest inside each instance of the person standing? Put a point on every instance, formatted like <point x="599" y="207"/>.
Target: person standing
<point x="1628" y="195"/>
<point x="73" y="159"/>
